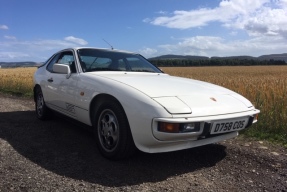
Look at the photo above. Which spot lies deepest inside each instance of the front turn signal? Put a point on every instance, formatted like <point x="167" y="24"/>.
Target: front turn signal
<point x="168" y="127"/>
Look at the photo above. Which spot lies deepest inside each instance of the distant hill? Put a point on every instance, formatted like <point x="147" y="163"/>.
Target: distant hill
<point x="282" y="57"/>
<point x="190" y="61"/>
<point x="189" y="57"/>
<point x="19" y="64"/>
<point x="235" y="57"/>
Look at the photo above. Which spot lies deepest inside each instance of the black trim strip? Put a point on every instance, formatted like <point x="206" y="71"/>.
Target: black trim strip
<point x="206" y="130"/>
<point x="250" y="122"/>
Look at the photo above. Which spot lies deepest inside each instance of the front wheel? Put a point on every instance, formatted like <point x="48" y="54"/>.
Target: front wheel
<point x="42" y="112"/>
<point x="112" y="131"/>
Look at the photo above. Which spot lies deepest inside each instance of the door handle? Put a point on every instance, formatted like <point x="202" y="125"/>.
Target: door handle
<point x="50" y="80"/>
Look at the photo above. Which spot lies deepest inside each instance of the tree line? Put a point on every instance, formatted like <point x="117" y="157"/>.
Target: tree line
<point x="214" y="62"/>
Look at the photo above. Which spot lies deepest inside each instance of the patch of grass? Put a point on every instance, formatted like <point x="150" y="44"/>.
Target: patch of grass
<point x="17" y="93"/>
<point x="272" y="136"/>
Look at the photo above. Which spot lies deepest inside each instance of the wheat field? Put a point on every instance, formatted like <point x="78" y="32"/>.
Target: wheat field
<point x="264" y="86"/>
<point x="18" y="81"/>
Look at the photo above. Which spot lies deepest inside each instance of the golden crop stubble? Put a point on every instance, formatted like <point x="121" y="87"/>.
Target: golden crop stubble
<point x="264" y="86"/>
<point x="17" y="80"/>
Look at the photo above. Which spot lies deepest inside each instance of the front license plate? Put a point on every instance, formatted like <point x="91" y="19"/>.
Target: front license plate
<point x="228" y="125"/>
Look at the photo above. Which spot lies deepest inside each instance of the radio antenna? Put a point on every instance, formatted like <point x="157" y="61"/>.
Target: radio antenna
<point x="109" y="44"/>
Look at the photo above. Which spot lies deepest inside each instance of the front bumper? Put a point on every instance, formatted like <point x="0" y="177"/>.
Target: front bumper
<point x="205" y="126"/>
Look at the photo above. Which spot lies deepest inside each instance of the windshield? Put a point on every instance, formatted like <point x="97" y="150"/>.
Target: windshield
<point x="105" y="60"/>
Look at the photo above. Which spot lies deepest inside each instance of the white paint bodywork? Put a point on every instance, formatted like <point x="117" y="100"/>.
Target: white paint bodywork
<point x="146" y="98"/>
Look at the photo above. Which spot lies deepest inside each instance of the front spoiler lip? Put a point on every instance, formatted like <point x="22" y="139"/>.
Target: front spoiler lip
<point x="163" y="146"/>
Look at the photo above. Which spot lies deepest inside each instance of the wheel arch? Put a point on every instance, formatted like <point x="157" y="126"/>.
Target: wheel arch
<point x="37" y="86"/>
<point x="100" y="98"/>
<point x="125" y="143"/>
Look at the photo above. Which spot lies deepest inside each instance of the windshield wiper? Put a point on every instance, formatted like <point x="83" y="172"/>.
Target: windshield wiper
<point x="142" y="70"/>
<point x="104" y="69"/>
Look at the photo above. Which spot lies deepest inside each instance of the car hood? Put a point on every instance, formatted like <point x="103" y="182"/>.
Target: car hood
<point x="182" y="95"/>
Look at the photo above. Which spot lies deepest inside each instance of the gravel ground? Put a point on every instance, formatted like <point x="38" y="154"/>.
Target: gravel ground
<point x="58" y="155"/>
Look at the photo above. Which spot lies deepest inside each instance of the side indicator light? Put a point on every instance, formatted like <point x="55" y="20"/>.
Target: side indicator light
<point x="256" y="116"/>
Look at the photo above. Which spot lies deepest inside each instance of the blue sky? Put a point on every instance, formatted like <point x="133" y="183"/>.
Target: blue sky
<point x="32" y="30"/>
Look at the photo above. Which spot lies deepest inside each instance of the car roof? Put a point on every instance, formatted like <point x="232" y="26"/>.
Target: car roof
<point x="96" y="48"/>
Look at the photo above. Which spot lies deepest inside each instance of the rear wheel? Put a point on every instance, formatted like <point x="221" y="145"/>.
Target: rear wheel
<point x="112" y="131"/>
<point x="42" y="112"/>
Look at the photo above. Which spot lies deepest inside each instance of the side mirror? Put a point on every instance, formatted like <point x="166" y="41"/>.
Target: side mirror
<point x="62" y="69"/>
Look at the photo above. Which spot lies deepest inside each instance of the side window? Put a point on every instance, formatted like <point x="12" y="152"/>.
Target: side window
<point x="52" y="62"/>
<point x="66" y="58"/>
<point x="122" y="65"/>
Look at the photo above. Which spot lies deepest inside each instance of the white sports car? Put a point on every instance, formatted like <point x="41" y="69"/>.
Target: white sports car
<point x="130" y="103"/>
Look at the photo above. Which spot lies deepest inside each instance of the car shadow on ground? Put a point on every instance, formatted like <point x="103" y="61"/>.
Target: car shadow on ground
<point x="68" y="150"/>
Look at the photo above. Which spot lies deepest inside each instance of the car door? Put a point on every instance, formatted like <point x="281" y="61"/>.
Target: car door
<point x="48" y="87"/>
<point x="62" y="90"/>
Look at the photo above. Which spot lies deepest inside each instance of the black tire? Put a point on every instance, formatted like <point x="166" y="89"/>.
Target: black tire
<point x="113" y="135"/>
<point x="42" y="111"/>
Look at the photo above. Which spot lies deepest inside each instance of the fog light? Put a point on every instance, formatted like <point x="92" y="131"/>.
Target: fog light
<point x="188" y="127"/>
<point x="191" y="127"/>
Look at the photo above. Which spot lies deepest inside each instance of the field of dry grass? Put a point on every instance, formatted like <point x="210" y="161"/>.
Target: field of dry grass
<point x="264" y="86"/>
<point x="18" y="81"/>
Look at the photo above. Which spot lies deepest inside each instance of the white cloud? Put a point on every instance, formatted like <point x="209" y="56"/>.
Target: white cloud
<point x="36" y="50"/>
<point x="256" y="17"/>
<point x="148" y="52"/>
<point x="13" y="55"/>
<point x="162" y="12"/>
<point x="76" y="40"/>
<point x="199" y="45"/>
<point x="282" y="3"/>
<point x="10" y="37"/>
<point x="147" y="20"/>
<point x="265" y="21"/>
<point x="4" y="27"/>
<point x="226" y="12"/>
<point x="185" y="19"/>
<point x="216" y="46"/>
<point x="233" y="33"/>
